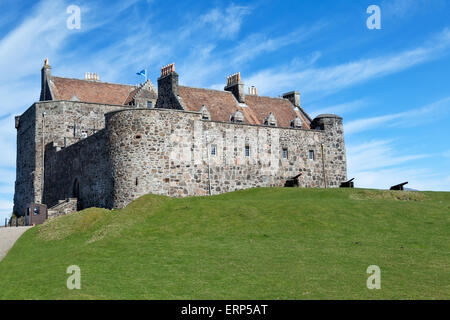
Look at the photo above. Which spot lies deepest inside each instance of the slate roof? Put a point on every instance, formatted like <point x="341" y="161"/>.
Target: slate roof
<point x="222" y="104"/>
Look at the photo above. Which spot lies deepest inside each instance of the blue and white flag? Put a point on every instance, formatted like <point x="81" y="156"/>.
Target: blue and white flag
<point x="142" y="73"/>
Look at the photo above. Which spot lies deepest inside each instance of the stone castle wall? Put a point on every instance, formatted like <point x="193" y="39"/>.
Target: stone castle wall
<point x="64" y="123"/>
<point x="164" y="152"/>
<point x="160" y="151"/>
<point x="80" y="171"/>
<point x="26" y="160"/>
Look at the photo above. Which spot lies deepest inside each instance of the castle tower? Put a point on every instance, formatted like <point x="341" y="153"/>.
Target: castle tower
<point x="333" y="148"/>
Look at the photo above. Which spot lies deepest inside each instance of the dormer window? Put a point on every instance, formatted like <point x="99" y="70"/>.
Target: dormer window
<point x="270" y="120"/>
<point x="205" y="113"/>
<point x="296" y="123"/>
<point x="237" y="117"/>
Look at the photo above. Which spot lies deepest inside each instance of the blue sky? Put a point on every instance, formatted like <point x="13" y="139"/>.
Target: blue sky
<point x="391" y="85"/>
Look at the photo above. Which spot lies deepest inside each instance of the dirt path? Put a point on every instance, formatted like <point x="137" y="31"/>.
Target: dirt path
<point x="8" y="236"/>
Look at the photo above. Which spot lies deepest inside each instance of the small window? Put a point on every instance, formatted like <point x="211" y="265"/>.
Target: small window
<point x="247" y="151"/>
<point x="149" y="104"/>
<point x="285" y="153"/>
<point x="36" y="211"/>
<point x="311" y="154"/>
<point x="213" y="150"/>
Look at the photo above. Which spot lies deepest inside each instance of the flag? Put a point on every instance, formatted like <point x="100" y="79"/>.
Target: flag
<point x="142" y="73"/>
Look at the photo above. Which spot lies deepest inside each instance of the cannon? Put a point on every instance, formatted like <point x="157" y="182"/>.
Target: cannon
<point x="347" y="184"/>
<point x="292" y="182"/>
<point x="398" y="186"/>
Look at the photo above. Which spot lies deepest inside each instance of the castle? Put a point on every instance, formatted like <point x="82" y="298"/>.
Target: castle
<point x="103" y="144"/>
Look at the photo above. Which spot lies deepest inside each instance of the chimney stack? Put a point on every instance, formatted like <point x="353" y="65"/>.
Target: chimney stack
<point x="168" y="88"/>
<point x="293" y="97"/>
<point x="46" y="73"/>
<point x="236" y="87"/>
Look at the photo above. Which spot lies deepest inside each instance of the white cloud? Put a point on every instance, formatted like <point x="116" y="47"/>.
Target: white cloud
<point x="330" y="79"/>
<point x="7" y="142"/>
<point x="223" y="23"/>
<point x="418" y="179"/>
<point x="5" y="210"/>
<point x="401" y="9"/>
<point x="259" y="43"/>
<point x="376" y="154"/>
<point x="413" y="117"/>
<point x="377" y="164"/>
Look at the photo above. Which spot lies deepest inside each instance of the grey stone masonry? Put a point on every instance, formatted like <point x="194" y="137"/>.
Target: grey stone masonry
<point x="167" y="152"/>
<point x="60" y="123"/>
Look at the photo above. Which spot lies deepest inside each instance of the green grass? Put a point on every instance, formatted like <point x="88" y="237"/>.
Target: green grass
<point x="267" y="243"/>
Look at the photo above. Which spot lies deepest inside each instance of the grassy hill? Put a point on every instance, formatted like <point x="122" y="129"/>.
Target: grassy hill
<point x="255" y="244"/>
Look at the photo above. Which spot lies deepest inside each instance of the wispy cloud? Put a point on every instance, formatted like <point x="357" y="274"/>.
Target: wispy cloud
<point x="259" y="43"/>
<point x="413" y="117"/>
<point x="222" y="23"/>
<point x="378" y="164"/>
<point x="376" y="154"/>
<point x="402" y="9"/>
<point x="330" y="79"/>
<point x="7" y="143"/>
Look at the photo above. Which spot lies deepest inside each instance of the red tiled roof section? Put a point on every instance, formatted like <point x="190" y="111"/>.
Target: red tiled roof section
<point x="90" y="91"/>
<point x="282" y="109"/>
<point x="221" y="104"/>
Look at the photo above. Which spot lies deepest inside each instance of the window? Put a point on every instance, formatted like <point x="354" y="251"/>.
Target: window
<point x="149" y="104"/>
<point x="285" y="153"/>
<point x="237" y="117"/>
<point x="311" y="154"/>
<point x="213" y="150"/>
<point x="205" y="113"/>
<point x="36" y="211"/>
<point x="247" y="151"/>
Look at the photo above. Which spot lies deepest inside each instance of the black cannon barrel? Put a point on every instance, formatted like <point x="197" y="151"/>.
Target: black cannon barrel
<point x="398" y="186"/>
<point x="347" y="184"/>
<point x="296" y="177"/>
